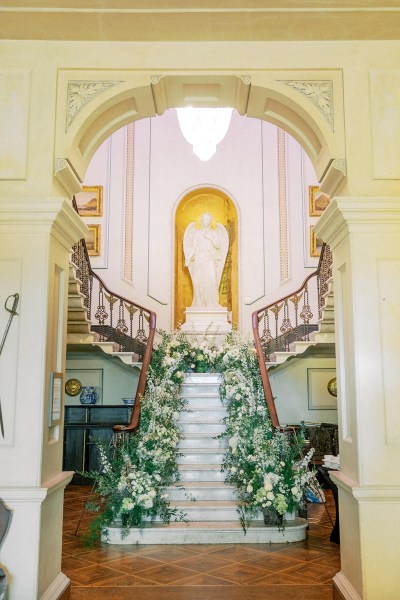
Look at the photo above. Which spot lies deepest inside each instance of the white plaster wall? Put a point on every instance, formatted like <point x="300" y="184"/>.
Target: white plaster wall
<point x="117" y="380"/>
<point x="291" y="391"/>
<point x="165" y="169"/>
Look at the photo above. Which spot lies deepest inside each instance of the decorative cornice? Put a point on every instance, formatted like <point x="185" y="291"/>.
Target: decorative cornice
<point x="66" y="176"/>
<point x="320" y="93"/>
<point x="80" y="93"/>
<point x="345" y="214"/>
<point x="333" y="177"/>
<point x="43" y="215"/>
<point x="23" y="495"/>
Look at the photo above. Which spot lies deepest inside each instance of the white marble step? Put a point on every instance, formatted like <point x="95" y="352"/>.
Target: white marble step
<point x="200" y="472"/>
<point x="76" y="300"/>
<point x="201" y="440"/>
<point x="203" y="414"/>
<point x="207" y="532"/>
<point x="77" y="314"/>
<point x="208" y="389"/>
<point x="202" y="490"/>
<point x="211" y="426"/>
<point x="200" y="378"/>
<point x="207" y="456"/>
<point x="207" y="510"/>
<point x="79" y="326"/>
<point x="204" y="401"/>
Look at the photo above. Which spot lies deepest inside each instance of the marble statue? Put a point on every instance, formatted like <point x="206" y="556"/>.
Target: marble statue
<point x="205" y="251"/>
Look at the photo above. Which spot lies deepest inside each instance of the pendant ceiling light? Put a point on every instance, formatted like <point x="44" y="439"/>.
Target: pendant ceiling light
<point x="204" y="128"/>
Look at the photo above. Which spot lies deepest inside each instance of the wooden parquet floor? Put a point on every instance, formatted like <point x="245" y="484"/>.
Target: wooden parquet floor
<point x="300" y="571"/>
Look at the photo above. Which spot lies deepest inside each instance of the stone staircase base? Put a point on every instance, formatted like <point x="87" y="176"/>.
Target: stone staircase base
<point x="210" y="532"/>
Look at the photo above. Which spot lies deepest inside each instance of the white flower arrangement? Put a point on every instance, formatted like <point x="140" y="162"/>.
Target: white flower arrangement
<point x="263" y="464"/>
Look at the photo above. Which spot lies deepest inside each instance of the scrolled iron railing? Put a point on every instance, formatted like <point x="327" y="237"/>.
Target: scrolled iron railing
<point x="289" y="319"/>
<point x="116" y="319"/>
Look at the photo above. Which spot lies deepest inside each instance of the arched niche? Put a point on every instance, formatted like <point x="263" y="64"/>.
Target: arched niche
<point x="223" y="210"/>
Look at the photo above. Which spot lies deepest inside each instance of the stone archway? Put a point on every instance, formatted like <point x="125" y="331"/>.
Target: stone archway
<point x="90" y="109"/>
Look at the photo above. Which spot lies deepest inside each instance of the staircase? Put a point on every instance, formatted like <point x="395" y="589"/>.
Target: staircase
<point x="325" y="334"/>
<point x="79" y="326"/>
<point x="209" y="503"/>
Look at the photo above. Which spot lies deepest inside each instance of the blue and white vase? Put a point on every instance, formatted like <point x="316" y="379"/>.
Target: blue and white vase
<point x="88" y="395"/>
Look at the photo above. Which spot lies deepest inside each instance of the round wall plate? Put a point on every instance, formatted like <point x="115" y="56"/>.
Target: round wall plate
<point x="73" y="387"/>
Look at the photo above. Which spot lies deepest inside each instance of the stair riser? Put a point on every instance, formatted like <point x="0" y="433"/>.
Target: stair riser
<point x="210" y="413"/>
<point x="211" y="428"/>
<point x="80" y="338"/>
<point x="75" y="302"/>
<point x="201" y="459"/>
<point x="208" y="514"/>
<point x="201" y="475"/>
<point x="73" y="287"/>
<point x="208" y="378"/>
<point x="78" y="327"/>
<point x="210" y="494"/>
<point x="199" y="442"/>
<point x="194" y="403"/>
<point x="77" y="315"/>
<point x="211" y="389"/>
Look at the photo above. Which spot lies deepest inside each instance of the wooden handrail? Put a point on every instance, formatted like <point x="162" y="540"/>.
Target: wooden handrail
<point x="307" y="279"/>
<point x="269" y="399"/>
<point x="264" y="373"/>
<point x="135" y="417"/>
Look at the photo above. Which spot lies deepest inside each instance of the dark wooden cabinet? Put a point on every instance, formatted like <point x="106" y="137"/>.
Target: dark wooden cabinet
<point x="83" y="425"/>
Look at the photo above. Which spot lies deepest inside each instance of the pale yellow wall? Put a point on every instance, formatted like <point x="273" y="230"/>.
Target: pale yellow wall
<point x="366" y="100"/>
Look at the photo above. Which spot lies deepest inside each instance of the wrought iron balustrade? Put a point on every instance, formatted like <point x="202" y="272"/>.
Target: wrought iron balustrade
<point x="290" y="319"/>
<point x="114" y="318"/>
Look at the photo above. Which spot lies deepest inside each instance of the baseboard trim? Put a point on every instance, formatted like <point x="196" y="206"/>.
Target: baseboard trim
<point x="342" y="588"/>
<point x="59" y="589"/>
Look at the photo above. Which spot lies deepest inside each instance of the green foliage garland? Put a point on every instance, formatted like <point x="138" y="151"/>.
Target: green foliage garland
<point x="265" y="466"/>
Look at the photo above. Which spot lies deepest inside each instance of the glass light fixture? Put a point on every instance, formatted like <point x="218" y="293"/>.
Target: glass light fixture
<point x="204" y="128"/>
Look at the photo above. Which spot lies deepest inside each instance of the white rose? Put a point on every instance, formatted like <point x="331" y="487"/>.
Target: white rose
<point x="233" y="469"/>
<point x="294" y="490"/>
<point x="249" y="488"/>
<point x="152" y="493"/>
<point x="270" y="495"/>
<point x="268" y="486"/>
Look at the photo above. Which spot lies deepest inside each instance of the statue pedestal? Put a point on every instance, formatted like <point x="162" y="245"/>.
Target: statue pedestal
<point x="206" y="321"/>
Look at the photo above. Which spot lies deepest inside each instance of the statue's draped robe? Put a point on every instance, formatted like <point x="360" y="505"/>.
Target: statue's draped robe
<point x="204" y="255"/>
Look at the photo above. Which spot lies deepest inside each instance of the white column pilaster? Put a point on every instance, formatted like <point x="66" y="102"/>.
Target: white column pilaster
<point x="36" y="235"/>
<point x="364" y="235"/>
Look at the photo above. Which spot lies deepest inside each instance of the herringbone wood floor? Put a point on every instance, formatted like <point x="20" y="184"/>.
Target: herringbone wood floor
<point x="301" y="571"/>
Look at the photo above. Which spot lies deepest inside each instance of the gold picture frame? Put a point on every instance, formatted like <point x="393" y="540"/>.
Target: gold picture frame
<point x="90" y="201"/>
<point x="92" y="240"/>
<point x="315" y="244"/>
<point x="318" y="201"/>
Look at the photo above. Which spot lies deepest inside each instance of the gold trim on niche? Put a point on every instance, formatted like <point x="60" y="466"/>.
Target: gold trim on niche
<point x="222" y="209"/>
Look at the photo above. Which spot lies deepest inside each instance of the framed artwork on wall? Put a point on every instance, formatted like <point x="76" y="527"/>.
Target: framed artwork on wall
<point x="55" y="398"/>
<point x="317" y="201"/>
<point x="319" y="397"/>
<point x="90" y="201"/>
<point x="315" y="243"/>
<point x="93" y="240"/>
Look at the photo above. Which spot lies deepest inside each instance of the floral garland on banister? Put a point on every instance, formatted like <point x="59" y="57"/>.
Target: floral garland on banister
<point x="264" y="465"/>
